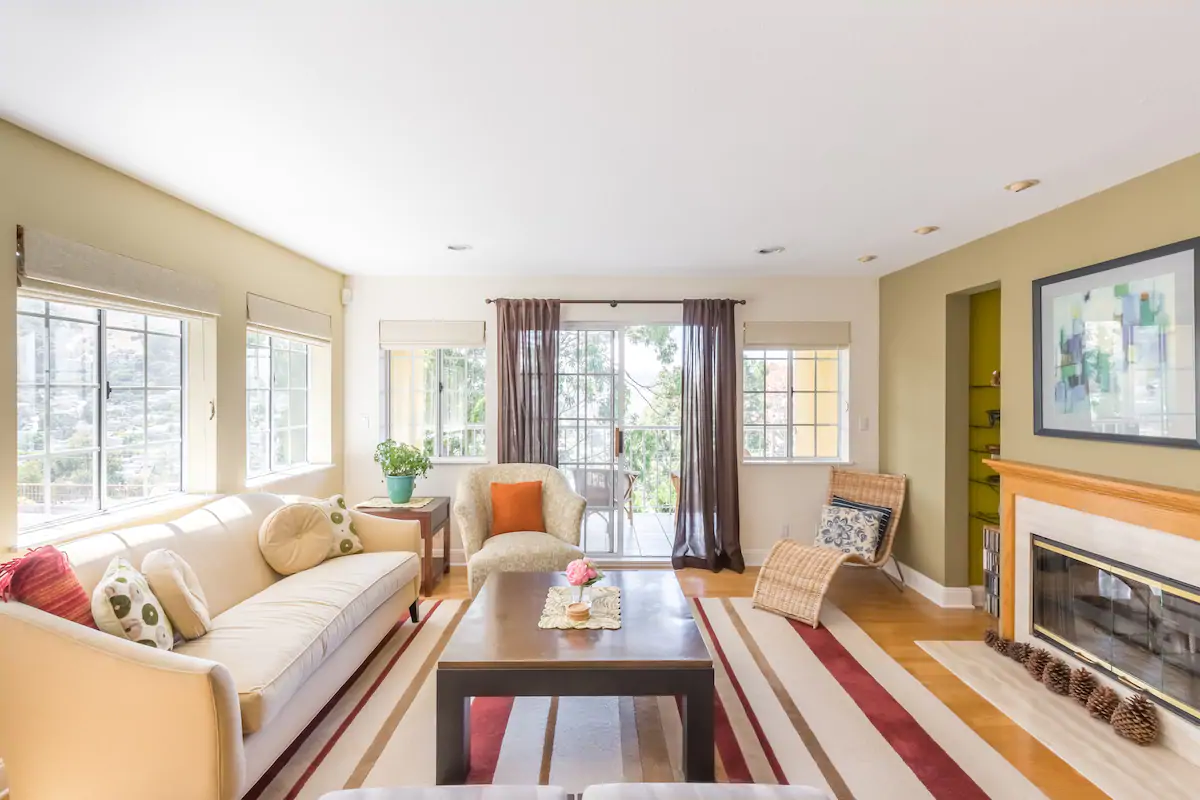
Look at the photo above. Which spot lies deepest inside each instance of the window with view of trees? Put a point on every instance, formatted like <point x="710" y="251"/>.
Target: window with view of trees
<point x="435" y="400"/>
<point x="276" y="403"/>
<point x="99" y="409"/>
<point x="794" y="405"/>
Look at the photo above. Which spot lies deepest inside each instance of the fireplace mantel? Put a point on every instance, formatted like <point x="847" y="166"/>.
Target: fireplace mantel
<point x="1174" y="511"/>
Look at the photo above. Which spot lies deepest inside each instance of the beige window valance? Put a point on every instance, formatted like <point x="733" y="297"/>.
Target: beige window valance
<point x="274" y="316"/>
<point x="52" y="266"/>
<point x="794" y="335"/>
<point x="407" y="334"/>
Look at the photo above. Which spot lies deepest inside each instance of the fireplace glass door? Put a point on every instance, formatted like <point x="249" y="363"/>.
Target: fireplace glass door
<point x="1138" y="627"/>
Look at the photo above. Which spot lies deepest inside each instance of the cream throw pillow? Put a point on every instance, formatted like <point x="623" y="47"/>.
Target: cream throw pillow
<point x="178" y="590"/>
<point x="123" y="605"/>
<point x="295" y="537"/>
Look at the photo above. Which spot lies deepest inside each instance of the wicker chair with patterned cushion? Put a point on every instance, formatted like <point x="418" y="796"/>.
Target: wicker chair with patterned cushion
<point x="795" y="577"/>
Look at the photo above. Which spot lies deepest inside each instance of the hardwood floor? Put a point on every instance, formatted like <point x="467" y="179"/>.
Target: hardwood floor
<point x="896" y="622"/>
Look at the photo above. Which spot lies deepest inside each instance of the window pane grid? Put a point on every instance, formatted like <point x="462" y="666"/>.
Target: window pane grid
<point x="68" y="422"/>
<point x="436" y="400"/>
<point x="792" y="405"/>
<point x="277" y="396"/>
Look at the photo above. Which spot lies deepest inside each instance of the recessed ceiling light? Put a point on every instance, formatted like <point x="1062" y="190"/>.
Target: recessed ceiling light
<point x="1020" y="186"/>
<point x="458" y="247"/>
<point x="866" y="258"/>
<point x="926" y="230"/>
<point x="767" y="251"/>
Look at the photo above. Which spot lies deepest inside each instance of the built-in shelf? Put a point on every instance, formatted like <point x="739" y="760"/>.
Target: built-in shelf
<point x="985" y="483"/>
<point x="985" y="452"/>
<point x="991" y="519"/>
<point x="984" y="386"/>
<point x="986" y="427"/>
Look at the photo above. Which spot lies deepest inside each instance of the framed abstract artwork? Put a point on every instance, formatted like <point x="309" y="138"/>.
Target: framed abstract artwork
<point x="1114" y="349"/>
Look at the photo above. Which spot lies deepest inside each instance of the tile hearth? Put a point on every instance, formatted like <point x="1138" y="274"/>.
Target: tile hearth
<point x="1117" y="766"/>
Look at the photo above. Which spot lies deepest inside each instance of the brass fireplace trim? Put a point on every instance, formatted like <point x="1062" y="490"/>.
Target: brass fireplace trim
<point x="1162" y="508"/>
<point x="1132" y="681"/>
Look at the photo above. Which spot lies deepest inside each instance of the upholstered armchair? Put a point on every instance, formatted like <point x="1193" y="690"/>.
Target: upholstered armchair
<point x="519" y="551"/>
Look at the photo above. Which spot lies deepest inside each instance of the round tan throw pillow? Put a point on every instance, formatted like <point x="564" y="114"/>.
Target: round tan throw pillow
<point x="178" y="591"/>
<point x="295" y="537"/>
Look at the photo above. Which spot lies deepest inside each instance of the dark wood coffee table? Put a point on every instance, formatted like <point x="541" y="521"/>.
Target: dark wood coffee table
<point x="499" y="651"/>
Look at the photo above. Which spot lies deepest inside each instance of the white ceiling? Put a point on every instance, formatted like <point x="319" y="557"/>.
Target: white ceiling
<point x="615" y="136"/>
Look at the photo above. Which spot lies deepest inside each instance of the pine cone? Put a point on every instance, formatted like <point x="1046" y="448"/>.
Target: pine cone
<point x="990" y="636"/>
<point x="1136" y="719"/>
<point x="1083" y="683"/>
<point x="1001" y="646"/>
<point x="1102" y="703"/>
<point x="1018" y="652"/>
<point x="1057" y="676"/>
<point x="1036" y="662"/>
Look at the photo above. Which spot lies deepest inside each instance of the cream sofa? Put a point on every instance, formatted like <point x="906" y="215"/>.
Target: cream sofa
<point x="519" y="551"/>
<point x="87" y="714"/>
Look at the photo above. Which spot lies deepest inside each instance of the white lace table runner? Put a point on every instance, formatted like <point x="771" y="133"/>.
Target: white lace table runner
<point x="606" y="609"/>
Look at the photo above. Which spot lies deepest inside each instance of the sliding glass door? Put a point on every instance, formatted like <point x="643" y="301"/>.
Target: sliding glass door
<point x="619" y="392"/>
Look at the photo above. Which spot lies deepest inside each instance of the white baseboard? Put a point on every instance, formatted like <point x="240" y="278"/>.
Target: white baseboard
<point x="922" y="584"/>
<point x="977" y="596"/>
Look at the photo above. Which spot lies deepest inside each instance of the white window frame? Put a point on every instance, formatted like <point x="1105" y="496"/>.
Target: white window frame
<point x="99" y="452"/>
<point x="843" y="424"/>
<point x="272" y="467"/>
<point x="439" y="423"/>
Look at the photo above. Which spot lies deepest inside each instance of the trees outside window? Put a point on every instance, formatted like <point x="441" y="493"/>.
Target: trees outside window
<point x="436" y="400"/>
<point x="277" y="398"/>
<point x="95" y="387"/>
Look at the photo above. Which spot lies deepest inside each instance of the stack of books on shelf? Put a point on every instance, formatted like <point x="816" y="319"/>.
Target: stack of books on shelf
<point x="991" y="570"/>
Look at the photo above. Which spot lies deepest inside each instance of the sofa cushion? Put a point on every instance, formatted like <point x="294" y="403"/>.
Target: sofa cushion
<point x="272" y="642"/>
<point x="519" y="551"/>
<point x="295" y="537"/>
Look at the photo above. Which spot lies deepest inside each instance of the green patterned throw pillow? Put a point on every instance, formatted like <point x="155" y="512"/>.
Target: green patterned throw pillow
<point x="345" y="538"/>
<point x="123" y="605"/>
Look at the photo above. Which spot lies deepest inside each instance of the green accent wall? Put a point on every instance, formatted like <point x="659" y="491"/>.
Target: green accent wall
<point x="984" y="357"/>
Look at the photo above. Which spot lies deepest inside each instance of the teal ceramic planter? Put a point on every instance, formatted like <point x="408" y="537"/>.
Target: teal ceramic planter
<point x="400" y="488"/>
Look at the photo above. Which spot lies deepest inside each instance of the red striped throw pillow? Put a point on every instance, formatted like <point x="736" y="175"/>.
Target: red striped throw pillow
<point x="43" y="578"/>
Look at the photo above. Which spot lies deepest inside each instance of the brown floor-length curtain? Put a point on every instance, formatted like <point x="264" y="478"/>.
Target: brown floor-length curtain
<point x="707" y="532"/>
<point x="527" y="370"/>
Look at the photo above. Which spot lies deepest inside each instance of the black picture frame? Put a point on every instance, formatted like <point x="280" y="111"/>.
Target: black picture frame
<point x="1039" y="428"/>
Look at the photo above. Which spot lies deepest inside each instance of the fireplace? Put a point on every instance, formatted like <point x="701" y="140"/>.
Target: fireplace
<point x="1139" y="627"/>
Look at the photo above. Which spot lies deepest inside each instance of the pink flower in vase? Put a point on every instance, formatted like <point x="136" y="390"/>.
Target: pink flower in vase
<point x="582" y="572"/>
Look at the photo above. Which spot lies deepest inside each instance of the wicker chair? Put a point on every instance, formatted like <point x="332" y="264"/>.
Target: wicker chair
<point x="795" y="577"/>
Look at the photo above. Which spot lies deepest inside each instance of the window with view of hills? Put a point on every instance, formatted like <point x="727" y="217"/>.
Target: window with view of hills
<point x="99" y="409"/>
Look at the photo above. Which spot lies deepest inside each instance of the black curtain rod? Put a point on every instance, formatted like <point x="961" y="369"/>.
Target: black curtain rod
<point x="615" y="303"/>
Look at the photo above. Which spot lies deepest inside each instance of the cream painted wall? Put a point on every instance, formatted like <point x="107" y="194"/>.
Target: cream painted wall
<point x="771" y="495"/>
<point x="48" y="188"/>
<point x="916" y="409"/>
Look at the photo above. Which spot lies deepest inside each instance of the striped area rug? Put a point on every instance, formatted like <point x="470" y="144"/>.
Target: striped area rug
<point x="826" y="708"/>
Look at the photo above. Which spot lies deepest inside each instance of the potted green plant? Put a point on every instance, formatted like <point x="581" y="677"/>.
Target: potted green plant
<point x="402" y="464"/>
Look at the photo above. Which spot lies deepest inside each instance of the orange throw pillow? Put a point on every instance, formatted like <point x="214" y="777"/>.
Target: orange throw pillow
<point x="517" y="507"/>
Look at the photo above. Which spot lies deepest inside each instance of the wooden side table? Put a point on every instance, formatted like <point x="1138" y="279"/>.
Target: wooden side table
<point x="434" y="517"/>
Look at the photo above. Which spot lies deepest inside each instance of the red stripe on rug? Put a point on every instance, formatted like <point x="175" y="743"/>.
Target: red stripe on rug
<point x="280" y="762"/>
<point x="940" y="773"/>
<point x="489" y="721"/>
<point x="768" y="751"/>
<point x="732" y="759"/>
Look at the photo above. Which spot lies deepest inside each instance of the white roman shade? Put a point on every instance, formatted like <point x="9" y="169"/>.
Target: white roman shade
<point x="796" y="335"/>
<point x="405" y="334"/>
<point x="272" y="316"/>
<point x="51" y="266"/>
